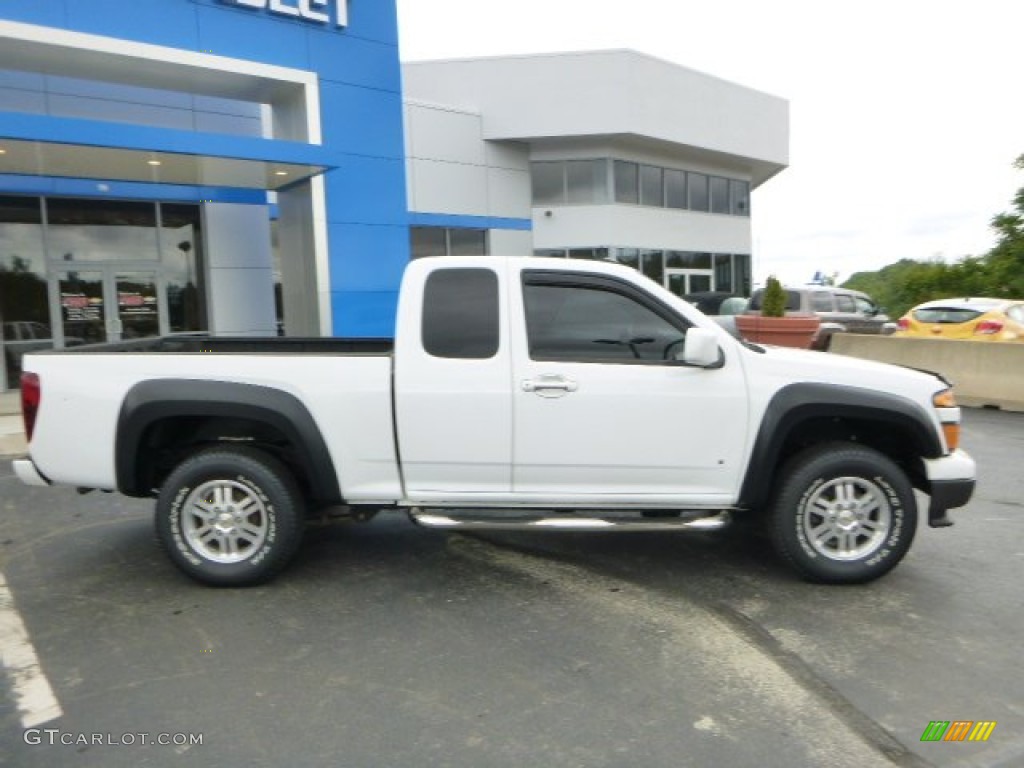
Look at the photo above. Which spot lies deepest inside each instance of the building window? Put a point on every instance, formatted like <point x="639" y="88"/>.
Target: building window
<point x="547" y="180"/>
<point x="586" y="182"/>
<point x="719" y="195"/>
<point x="442" y="241"/>
<point x="24" y="310"/>
<point x="687" y="260"/>
<point x="569" y="182"/>
<point x="627" y="179"/>
<point x="697" y="184"/>
<point x="652" y="186"/>
<point x="652" y="264"/>
<point x="594" y="254"/>
<point x="675" y="189"/>
<point x="739" y="198"/>
<point x="181" y="253"/>
<point x="728" y="272"/>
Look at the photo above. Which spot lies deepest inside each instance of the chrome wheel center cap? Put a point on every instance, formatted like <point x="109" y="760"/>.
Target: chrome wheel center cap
<point x="847" y="519"/>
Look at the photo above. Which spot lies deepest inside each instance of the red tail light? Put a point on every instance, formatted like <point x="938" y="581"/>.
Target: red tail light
<point x="31" y="395"/>
<point x="903" y="324"/>
<point x="988" y="327"/>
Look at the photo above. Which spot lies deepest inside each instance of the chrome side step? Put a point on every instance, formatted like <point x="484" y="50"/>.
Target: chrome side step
<point x="518" y="522"/>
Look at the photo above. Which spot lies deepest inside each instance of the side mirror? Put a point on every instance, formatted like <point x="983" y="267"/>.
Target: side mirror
<point x="701" y="349"/>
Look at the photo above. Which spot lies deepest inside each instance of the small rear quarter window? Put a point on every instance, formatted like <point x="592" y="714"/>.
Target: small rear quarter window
<point x="460" y="314"/>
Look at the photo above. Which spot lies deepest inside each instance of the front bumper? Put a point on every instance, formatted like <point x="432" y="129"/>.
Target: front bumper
<point x="951" y="482"/>
<point x="27" y="472"/>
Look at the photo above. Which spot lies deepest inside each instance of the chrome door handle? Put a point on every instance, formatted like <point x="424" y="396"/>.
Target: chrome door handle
<point x="550" y="386"/>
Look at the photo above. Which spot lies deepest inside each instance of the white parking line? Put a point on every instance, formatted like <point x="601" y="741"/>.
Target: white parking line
<point x="36" y="702"/>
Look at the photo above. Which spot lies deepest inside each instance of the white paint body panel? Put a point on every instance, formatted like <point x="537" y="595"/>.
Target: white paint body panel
<point x="349" y="398"/>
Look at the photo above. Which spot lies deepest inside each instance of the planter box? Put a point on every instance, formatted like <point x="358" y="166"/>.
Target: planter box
<point x="790" y="331"/>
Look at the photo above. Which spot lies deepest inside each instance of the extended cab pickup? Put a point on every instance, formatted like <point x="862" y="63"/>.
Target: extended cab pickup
<point x="519" y="393"/>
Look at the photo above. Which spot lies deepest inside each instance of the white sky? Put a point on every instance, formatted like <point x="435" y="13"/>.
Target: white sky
<point x="905" y="115"/>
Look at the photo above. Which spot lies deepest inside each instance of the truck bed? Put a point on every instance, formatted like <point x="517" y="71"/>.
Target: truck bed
<point x="249" y="345"/>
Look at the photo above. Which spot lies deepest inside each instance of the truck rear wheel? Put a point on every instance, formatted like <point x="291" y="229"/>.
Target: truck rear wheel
<point x="843" y="514"/>
<point x="230" y="517"/>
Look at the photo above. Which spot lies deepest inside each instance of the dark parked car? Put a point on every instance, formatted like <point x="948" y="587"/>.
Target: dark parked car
<point x="720" y="306"/>
<point x="841" y="311"/>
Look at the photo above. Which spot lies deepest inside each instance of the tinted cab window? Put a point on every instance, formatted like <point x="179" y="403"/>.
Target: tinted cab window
<point x="596" y="324"/>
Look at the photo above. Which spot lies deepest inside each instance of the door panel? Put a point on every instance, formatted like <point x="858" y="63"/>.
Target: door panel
<point x="624" y="421"/>
<point x="453" y="405"/>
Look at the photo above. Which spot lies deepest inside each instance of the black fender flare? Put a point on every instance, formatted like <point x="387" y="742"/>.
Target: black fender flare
<point x="796" y="403"/>
<point x="152" y="401"/>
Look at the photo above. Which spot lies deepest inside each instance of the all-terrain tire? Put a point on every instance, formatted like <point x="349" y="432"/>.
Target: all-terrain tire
<point x="230" y="516"/>
<point x="842" y="513"/>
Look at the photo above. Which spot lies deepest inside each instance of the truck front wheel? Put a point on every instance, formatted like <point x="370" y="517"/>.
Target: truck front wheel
<point x="230" y="517"/>
<point x="843" y="514"/>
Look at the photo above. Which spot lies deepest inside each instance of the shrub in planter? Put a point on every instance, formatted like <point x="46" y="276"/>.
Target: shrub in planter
<point x="773" y="326"/>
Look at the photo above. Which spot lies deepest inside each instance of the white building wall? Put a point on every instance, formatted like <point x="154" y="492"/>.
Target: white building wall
<point x="451" y="169"/>
<point x="634" y="226"/>
<point x="611" y="93"/>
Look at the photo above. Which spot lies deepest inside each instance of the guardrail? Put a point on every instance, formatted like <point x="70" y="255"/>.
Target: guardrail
<point x="983" y="373"/>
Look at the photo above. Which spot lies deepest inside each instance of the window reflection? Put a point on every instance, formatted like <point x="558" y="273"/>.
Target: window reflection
<point x="182" y="261"/>
<point x="24" y="312"/>
<point x="100" y="230"/>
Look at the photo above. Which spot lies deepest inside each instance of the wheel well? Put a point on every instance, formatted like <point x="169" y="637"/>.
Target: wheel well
<point x="165" y="443"/>
<point x="893" y="440"/>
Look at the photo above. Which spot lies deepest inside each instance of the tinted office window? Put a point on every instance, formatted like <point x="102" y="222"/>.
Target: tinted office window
<point x="460" y="314"/>
<point x="652" y="186"/>
<point x="586" y="181"/>
<point x="428" y="241"/>
<point x="719" y="195"/>
<point x="594" y="325"/>
<point x="675" y="189"/>
<point x="739" y="197"/>
<point x="627" y="179"/>
<point x="467" y="242"/>
<point x="698" y="188"/>
<point x="652" y="264"/>
<point x="548" y="181"/>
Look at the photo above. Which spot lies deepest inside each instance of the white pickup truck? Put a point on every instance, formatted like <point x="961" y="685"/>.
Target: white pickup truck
<point x="520" y="393"/>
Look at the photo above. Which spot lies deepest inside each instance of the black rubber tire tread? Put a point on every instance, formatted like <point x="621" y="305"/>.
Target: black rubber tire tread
<point x="802" y="473"/>
<point x="285" y="506"/>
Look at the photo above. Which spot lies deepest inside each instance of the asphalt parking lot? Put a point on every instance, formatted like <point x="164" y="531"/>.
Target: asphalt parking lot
<point x="388" y="645"/>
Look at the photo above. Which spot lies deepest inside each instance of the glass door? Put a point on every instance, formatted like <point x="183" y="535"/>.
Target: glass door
<point x="686" y="281"/>
<point x="138" y="305"/>
<point x="108" y="304"/>
<point x="82" y="307"/>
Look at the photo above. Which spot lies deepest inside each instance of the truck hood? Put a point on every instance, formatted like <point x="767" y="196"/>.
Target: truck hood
<point x="828" y="368"/>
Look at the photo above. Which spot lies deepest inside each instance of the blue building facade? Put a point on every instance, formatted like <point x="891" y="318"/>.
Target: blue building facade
<point x="214" y="103"/>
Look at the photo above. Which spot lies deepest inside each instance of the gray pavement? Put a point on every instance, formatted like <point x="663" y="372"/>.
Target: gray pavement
<point x="388" y="645"/>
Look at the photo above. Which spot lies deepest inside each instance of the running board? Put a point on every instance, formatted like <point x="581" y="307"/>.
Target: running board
<point x="477" y="522"/>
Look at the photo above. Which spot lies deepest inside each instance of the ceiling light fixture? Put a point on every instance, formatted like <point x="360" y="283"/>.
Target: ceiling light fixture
<point x="280" y="173"/>
<point x="153" y="162"/>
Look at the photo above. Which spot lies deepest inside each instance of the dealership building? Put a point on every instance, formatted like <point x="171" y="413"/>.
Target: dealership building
<point x="253" y="167"/>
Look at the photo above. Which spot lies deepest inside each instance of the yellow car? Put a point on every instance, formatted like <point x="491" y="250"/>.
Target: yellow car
<point x="973" y="319"/>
